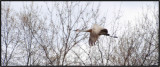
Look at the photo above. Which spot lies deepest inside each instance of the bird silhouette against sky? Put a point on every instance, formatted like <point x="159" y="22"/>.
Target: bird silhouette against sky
<point x="95" y="32"/>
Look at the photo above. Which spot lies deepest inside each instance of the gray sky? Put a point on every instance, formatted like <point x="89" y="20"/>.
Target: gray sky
<point x="129" y="10"/>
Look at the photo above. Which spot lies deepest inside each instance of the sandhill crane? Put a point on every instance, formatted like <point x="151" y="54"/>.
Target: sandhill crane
<point x="95" y="32"/>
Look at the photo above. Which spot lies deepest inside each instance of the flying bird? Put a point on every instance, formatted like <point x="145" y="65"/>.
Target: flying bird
<point x="95" y="32"/>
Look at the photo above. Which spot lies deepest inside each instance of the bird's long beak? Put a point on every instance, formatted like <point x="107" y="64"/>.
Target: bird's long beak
<point x="114" y="36"/>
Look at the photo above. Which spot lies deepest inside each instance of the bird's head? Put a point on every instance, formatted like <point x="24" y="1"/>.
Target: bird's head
<point x="107" y="34"/>
<point x="104" y="32"/>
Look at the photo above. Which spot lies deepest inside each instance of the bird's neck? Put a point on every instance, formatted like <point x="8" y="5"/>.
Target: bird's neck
<point x="82" y="31"/>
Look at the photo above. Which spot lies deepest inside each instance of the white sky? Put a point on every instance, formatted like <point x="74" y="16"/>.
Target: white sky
<point x="128" y="9"/>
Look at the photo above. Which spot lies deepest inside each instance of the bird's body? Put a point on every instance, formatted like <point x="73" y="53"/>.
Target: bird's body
<point x="95" y="32"/>
<point x="96" y="28"/>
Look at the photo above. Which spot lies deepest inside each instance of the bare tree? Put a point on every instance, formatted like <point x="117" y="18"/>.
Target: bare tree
<point x="139" y="46"/>
<point x="8" y="30"/>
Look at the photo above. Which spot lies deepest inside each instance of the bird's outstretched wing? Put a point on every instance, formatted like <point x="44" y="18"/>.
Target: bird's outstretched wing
<point x="93" y="38"/>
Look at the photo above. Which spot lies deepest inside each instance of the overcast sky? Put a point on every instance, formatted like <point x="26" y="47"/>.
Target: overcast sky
<point x="128" y="7"/>
<point x="129" y="10"/>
